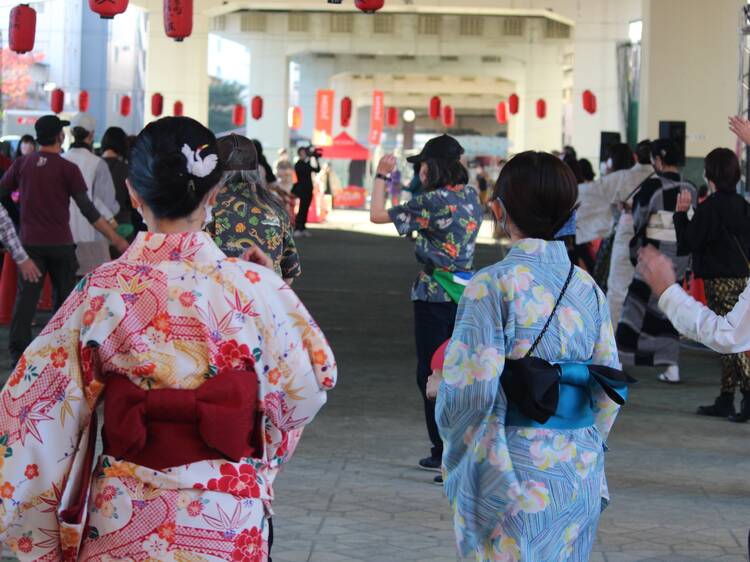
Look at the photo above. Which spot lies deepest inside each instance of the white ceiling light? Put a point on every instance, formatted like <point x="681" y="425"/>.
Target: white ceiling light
<point x="409" y="116"/>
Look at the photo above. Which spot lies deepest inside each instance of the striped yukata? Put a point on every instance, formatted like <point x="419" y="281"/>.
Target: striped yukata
<point x="522" y="493"/>
<point x="645" y="336"/>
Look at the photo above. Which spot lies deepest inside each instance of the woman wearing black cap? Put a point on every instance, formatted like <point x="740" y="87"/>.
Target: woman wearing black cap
<point x="644" y="334"/>
<point x="447" y="216"/>
<point x="207" y="367"/>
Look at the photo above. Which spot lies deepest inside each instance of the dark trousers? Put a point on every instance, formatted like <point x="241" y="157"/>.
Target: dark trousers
<point x="305" y="199"/>
<point x="61" y="264"/>
<point x="433" y="325"/>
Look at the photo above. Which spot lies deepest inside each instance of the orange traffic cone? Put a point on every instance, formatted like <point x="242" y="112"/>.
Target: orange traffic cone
<point x="8" y="283"/>
<point x="45" y="303"/>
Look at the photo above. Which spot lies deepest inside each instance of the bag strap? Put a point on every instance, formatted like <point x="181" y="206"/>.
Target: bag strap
<point x="739" y="247"/>
<point x="554" y="310"/>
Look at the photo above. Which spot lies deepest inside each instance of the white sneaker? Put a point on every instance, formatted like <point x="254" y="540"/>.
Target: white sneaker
<point x="306" y="233"/>
<point x="299" y="233"/>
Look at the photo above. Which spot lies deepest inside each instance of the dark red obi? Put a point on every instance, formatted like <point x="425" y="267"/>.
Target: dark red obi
<point x="168" y="427"/>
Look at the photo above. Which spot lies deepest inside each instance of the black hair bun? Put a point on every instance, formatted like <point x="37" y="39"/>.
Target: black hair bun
<point x="159" y="167"/>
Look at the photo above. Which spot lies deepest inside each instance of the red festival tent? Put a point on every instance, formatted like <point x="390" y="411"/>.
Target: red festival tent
<point x="345" y="147"/>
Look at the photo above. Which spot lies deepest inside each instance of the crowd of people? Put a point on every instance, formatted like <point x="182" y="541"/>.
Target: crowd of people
<point x="171" y="256"/>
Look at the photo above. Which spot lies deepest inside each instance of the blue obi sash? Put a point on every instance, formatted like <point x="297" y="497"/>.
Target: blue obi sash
<point x="557" y="396"/>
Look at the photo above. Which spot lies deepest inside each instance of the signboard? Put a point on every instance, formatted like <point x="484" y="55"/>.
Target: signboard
<point x="323" y="133"/>
<point x="377" y="117"/>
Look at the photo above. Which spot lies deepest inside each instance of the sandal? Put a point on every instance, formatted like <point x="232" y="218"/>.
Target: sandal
<point x="664" y="378"/>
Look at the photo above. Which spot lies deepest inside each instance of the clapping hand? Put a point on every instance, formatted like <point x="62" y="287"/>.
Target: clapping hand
<point x="387" y="164"/>
<point x="684" y="201"/>
<point x="657" y="269"/>
<point x="740" y="127"/>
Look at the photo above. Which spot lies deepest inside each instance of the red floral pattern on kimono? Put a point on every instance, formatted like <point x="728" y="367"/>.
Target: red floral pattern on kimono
<point x="173" y="312"/>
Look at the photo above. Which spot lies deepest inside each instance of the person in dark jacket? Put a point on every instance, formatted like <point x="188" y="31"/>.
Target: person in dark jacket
<point x="306" y="166"/>
<point x="718" y="237"/>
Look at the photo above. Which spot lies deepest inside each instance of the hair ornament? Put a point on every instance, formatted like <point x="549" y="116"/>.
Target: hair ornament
<point x="197" y="166"/>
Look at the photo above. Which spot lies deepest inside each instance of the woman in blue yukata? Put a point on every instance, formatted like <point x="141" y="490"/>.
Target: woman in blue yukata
<point x="530" y="386"/>
<point x="446" y="216"/>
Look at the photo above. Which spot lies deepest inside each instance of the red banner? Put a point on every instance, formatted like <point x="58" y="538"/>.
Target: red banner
<point x="323" y="133"/>
<point x="377" y="117"/>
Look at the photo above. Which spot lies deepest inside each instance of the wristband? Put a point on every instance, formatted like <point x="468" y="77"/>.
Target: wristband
<point x="382" y="177"/>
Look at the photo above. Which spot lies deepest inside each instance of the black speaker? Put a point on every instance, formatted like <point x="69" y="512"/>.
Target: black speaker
<point x="675" y="131"/>
<point x="608" y="139"/>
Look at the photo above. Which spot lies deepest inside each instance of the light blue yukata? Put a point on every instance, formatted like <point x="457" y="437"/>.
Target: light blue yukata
<point x="527" y="494"/>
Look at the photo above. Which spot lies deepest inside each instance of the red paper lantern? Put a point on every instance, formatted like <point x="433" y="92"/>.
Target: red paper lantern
<point x="501" y="113"/>
<point x="346" y="111"/>
<point x="125" y="105"/>
<point x="435" y="108"/>
<point x="238" y="115"/>
<point x="108" y="9"/>
<point x="391" y="117"/>
<point x="178" y="109"/>
<point x="369" y="6"/>
<point x="449" y="116"/>
<point x="57" y="100"/>
<point x="541" y="108"/>
<point x="295" y="118"/>
<point x="256" y="107"/>
<point x="178" y="18"/>
<point x="157" y="104"/>
<point x="593" y="104"/>
<point x="83" y="100"/>
<point x="22" y="29"/>
<point x="513" y="104"/>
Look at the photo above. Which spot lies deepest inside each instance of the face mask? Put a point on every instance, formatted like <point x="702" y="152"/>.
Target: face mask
<point x="609" y="163"/>
<point x="504" y="218"/>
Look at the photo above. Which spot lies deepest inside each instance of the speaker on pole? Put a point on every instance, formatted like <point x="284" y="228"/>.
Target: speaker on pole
<point x="675" y="131"/>
<point x="608" y="139"/>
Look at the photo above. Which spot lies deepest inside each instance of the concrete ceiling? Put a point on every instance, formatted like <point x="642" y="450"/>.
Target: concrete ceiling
<point x="562" y="10"/>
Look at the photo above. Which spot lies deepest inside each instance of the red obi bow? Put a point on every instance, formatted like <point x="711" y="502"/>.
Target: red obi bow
<point x="172" y="427"/>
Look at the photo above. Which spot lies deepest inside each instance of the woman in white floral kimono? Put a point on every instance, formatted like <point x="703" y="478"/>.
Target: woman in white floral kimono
<point x="530" y="388"/>
<point x="208" y="367"/>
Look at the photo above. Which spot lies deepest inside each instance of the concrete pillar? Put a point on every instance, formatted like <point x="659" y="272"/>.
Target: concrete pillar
<point x="689" y="69"/>
<point x="543" y="80"/>
<point x="178" y="70"/>
<point x="599" y="28"/>
<point x="269" y="78"/>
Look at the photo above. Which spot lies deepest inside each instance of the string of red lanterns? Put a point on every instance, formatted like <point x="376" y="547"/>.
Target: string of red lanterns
<point x="22" y="29"/>
<point x="178" y="18"/>
<point x="589" y="102"/>
<point x="256" y="107"/>
<point x="108" y="9"/>
<point x="449" y="116"/>
<point x="541" y="108"/>
<point x="513" y="104"/>
<point x="125" y="105"/>
<point x="238" y="115"/>
<point x="83" y="100"/>
<point x="434" y="109"/>
<point x="369" y="6"/>
<point x="157" y="104"/>
<point x="501" y="113"/>
<point x="391" y="117"/>
<point x="57" y="100"/>
<point x="346" y="111"/>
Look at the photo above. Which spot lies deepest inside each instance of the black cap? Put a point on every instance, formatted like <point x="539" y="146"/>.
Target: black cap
<point x="444" y="147"/>
<point x="49" y="126"/>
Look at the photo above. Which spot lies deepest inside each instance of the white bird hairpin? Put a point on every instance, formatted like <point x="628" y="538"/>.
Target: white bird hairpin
<point x="197" y="166"/>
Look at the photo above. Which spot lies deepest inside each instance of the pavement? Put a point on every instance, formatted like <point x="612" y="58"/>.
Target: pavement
<point x="679" y="483"/>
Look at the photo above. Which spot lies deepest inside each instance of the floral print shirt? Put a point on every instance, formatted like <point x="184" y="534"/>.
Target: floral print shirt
<point x="447" y="222"/>
<point x="172" y="312"/>
<point x="242" y="220"/>
<point x="497" y="477"/>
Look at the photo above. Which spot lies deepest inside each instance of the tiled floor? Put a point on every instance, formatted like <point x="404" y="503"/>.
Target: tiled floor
<point x="680" y="484"/>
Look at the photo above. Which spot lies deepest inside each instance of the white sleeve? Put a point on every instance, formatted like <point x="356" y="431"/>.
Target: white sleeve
<point x="105" y="188"/>
<point x="724" y="334"/>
